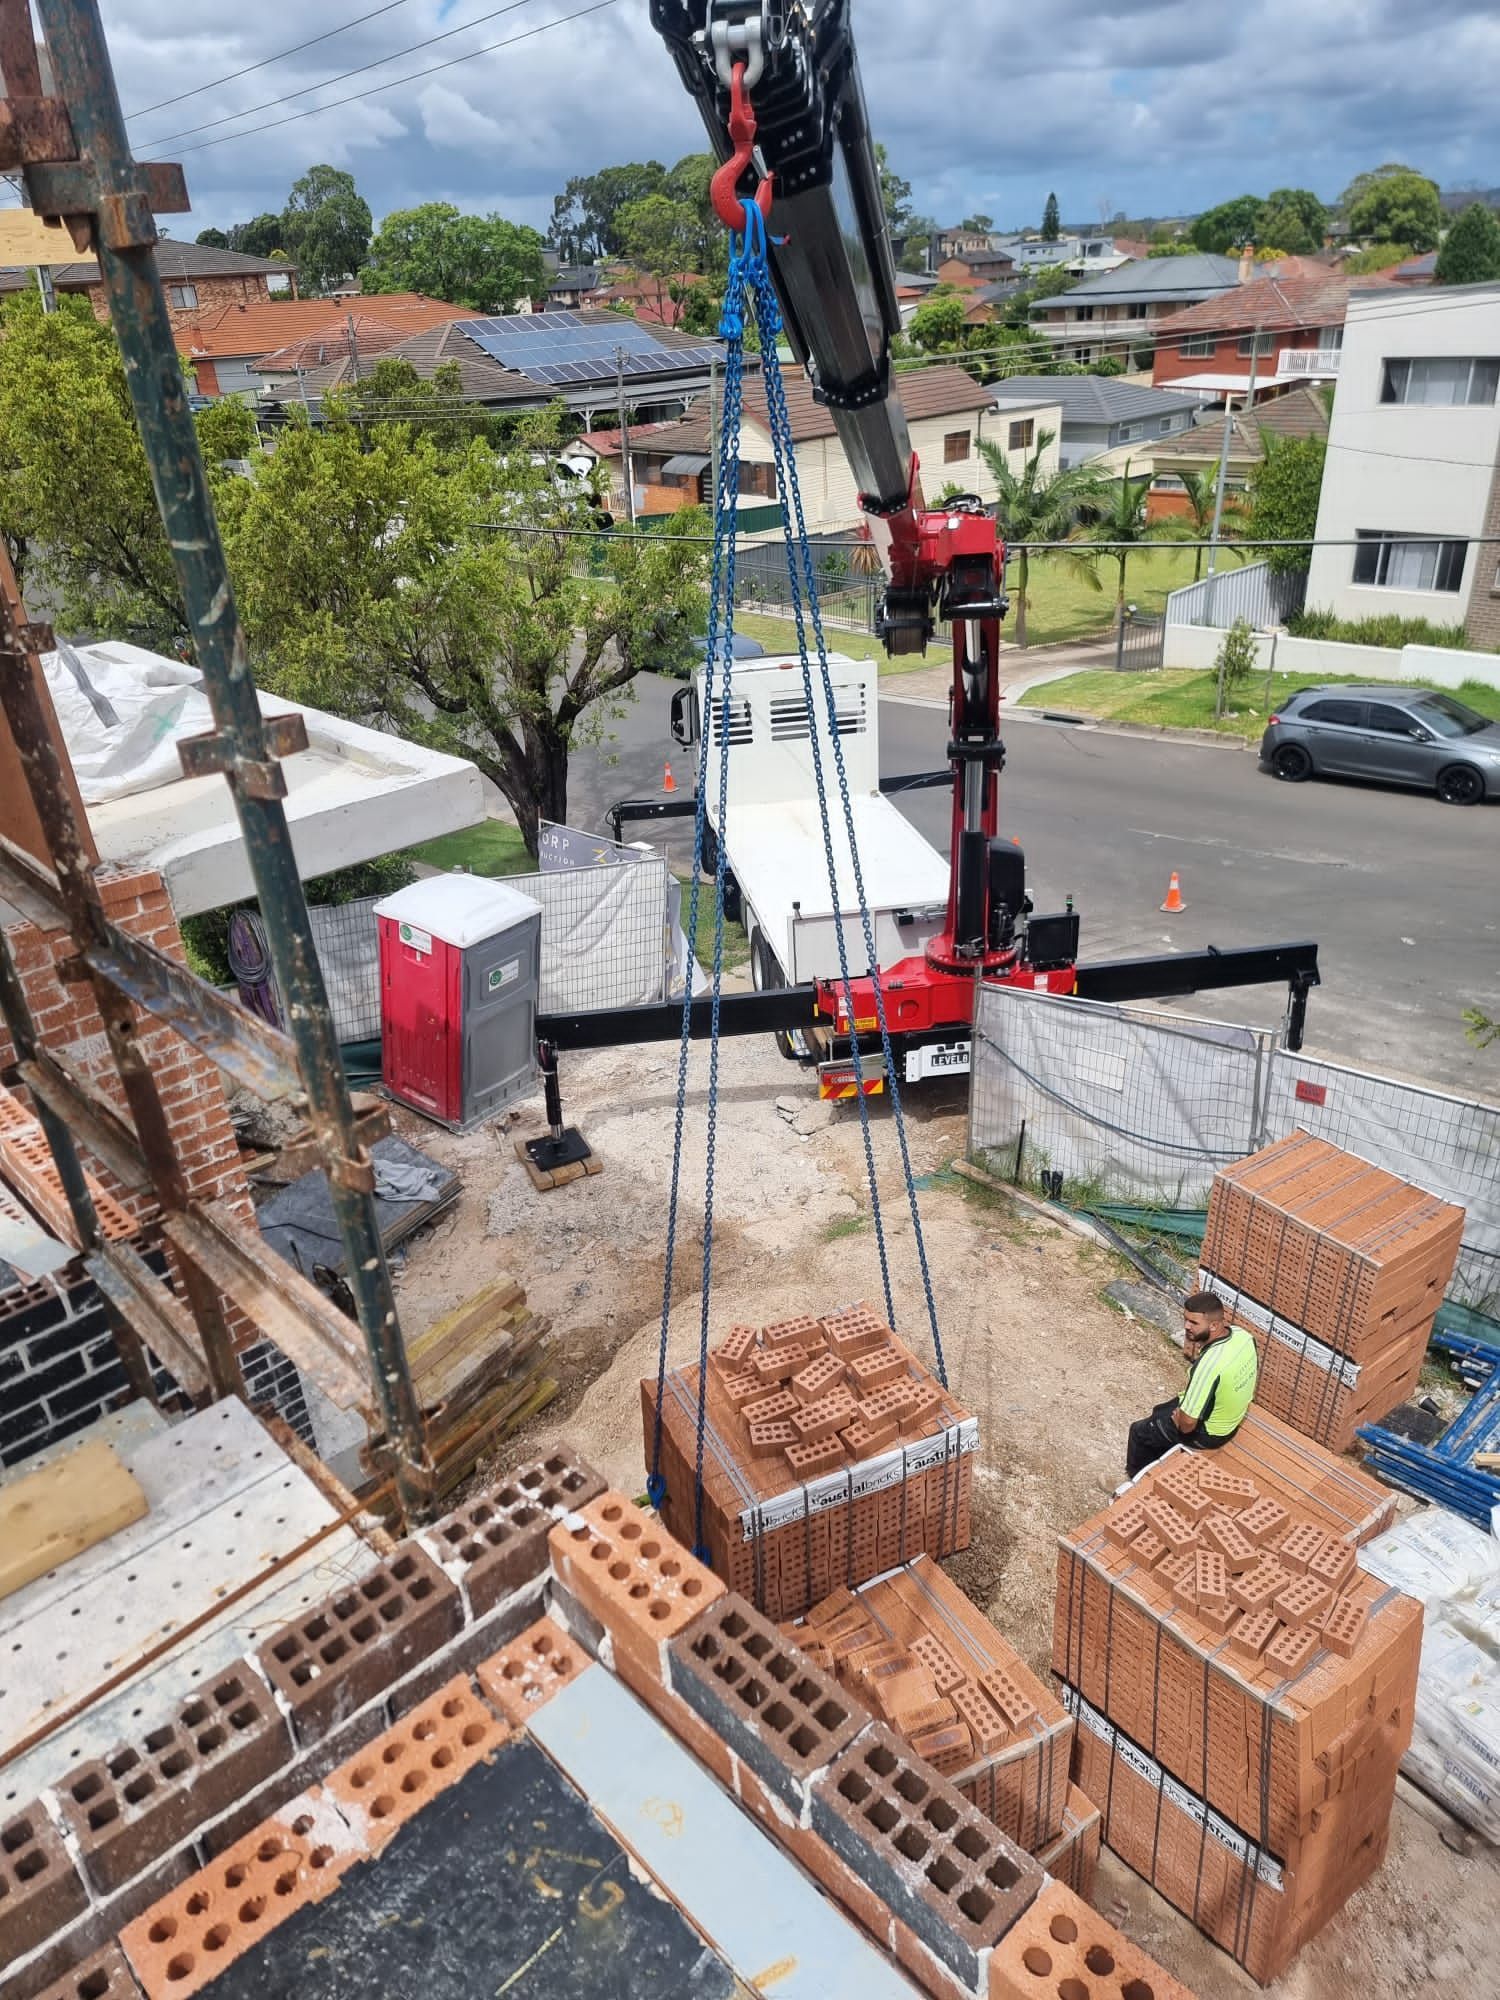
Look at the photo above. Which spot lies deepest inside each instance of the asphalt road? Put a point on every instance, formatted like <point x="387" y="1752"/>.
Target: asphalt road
<point x="1401" y="893"/>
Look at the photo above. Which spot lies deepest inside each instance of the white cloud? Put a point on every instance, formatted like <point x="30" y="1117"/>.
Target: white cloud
<point x="450" y="120"/>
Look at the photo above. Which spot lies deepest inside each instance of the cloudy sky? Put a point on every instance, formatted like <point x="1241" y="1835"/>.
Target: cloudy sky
<point x="1146" y="106"/>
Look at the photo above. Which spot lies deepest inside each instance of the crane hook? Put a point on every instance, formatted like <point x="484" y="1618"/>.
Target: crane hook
<point x="727" y="202"/>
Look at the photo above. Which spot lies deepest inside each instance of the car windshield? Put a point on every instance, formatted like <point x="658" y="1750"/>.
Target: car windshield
<point x="1446" y="717"/>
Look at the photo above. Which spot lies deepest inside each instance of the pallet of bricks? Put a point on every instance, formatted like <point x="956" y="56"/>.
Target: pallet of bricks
<point x="926" y="1661"/>
<point x="1337" y="1268"/>
<point x="830" y="1453"/>
<point x="1244" y="1691"/>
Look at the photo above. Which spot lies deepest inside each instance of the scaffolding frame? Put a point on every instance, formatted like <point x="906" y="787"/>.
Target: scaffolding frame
<point x="69" y="144"/>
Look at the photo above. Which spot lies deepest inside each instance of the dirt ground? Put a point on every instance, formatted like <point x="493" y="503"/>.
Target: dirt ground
<point x="1052" y="1372"/>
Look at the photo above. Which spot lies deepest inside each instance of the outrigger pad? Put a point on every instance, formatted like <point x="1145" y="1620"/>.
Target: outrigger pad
<point x="554" y="1162"/>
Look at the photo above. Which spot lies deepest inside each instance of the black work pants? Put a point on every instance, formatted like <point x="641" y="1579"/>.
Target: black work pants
<point x="1151" y="1438"/>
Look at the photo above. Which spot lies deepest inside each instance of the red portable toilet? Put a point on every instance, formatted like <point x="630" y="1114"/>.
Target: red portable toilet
<point x="460" y="959"/>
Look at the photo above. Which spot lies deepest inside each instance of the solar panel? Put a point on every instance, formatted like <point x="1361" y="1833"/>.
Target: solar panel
<point x="558" y="347"/>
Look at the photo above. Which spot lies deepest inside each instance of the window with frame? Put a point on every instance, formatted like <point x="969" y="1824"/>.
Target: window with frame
<point x="957" y="446"/>
<point x="1349" y="714"/>
<point x="1164" y="426"/>
<point x="1444" y="381"/>
<point x="1389" y="721"/>
<point x="1129" y="431"/>
<point x="1084" y="312"/>
<point x="1196" y="346"/>
<point x="1401" y="562"/>
<point x="1255" y="343"/>
<point x="183" y="297"/>
<point x="1137" y="311"/>
<point x="1083" y="354"/>
<point x="1021" y="435"/>
<point x="758" y="479"/>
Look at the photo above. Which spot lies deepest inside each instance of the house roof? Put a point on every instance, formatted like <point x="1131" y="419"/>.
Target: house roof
<point x="1270" y="305"/>
<point x="1297" y="413"/>
<point x="1129" y="247"/>
<point x="315" y="350"/>
<point x="1418" y="267"/>
<point x="689" y="434"/>
<point x="223" y="333"/>
<point x="1152" y="280"/>
<point x="175" y="261"/>
<point x="1091" y="399"/>
<point x="482" y="380"/>
<point x="979" y="258"/>
<point x="574" y="278"/>
<point x="924" y="392"/>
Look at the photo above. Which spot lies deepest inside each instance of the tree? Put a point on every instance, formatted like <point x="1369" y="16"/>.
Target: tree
<point x="1036" y="505"/>
<point x="1398" y="206"/>
<point x="1284" y="490"/>
<point x="914" y="254"/>
<point x="433" y="407"/>
<point x="258" y="237"/>
<point x="978" y="221"/>
<point x="1294" y="219"/>
<point x="1234" y="662"/>
<point x="1229" y="225"/>
<point x="895" y="194"/>
<point x="1200" y="490"/>
<point x="371" y="582"/>
<point x="1378" y="257"/>
<point x="1120" y="520"/>
<point x="1051" y="221"/>
<point x="584" y="226"/>
<point x="326" y="227"/>
<point x="481" y="261"/>
<point x="938" y="326"/>
<point x="657" y="235"/>
<point x="689" y="183"/>
<point x="226" y="430"/>
<point x="212" y="239"/>
<point x="1471" y="250"/>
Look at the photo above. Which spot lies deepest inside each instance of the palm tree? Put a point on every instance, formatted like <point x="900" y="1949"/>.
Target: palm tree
<point x="1200" y="490"/>
<point x="1037" y="505"/>
<point x="1120" y="519"/>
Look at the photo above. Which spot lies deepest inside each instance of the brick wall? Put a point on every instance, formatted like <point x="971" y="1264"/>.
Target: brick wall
<point x="213" y="295"/>
<point x="192" y="1094"/>
<point x="1482" y="623"/>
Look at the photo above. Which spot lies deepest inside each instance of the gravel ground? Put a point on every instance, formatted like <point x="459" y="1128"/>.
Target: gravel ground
<point x="1052" y="1371"/>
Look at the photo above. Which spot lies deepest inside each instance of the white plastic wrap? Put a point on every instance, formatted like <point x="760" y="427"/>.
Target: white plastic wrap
<point x="122" y="712"/>
<point x="1455" y="1569"/>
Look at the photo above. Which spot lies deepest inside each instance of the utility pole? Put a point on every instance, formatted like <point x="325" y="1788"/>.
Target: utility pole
<point x="1213" y="533"/>
<point x="624" y="434"/>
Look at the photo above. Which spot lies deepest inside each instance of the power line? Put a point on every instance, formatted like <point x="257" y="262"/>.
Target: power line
<point x="266" y="61"/>
<point x="325" y="83"/>
<point x="433" y="69"/>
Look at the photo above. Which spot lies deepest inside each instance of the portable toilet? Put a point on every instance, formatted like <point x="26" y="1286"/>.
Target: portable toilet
<point x="460" y="964"/>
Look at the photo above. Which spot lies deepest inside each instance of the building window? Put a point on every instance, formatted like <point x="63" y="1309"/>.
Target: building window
<point x="1083" y="355"/>
<point x="1084" y="312"/>
<point x="1441" y="379"/>
<point x="1164" y="426"/>
<point x="956" y="447"/>
<point x="183" y="297"/>
<point x="1128" y="431"/>
<point x="1395" y="562"/>
<point x="1256" y="343"/>
<point x="1136" y="312"/>
<point x="758" y="479"/>
<point x="1196" y="346"/>
<point x="1022" y="434"/>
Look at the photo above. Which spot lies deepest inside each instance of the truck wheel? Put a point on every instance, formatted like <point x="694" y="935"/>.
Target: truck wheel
<point x="766" y="974"/>
<point x="734" y="903"/>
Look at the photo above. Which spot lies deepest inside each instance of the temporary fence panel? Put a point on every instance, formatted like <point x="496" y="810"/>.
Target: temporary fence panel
<point x="605" y="936"/>
<point x="347" y="940"/>
<point x="1448" y="1145"/>
<point x="1122" y="1102"/>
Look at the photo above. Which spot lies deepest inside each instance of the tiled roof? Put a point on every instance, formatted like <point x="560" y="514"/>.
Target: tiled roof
<point x="225" y="332"/>
<point x="689" y="434"/>
<point x="1273" y="305"/>
<point x="330" y="343"/>
<point x="924" y="392"/>
<point x="175" y="261"/>
<point x="1297" y="413"/>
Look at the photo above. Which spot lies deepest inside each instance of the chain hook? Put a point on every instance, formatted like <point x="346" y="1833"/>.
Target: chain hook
<point x="725" y="183"/>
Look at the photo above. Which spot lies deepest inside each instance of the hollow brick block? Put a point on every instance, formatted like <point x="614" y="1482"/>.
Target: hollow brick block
<point x="133" y="1805"/>
<point x="1173" y="1528"/>
<point x="863" y="1439"/>
<point x="1008" y="1695"/>
<point x="498" y="1540"/>
<point x="944" y="1869"/>
<point x="1303" y="1601"/>
<point x="334" y="1658"/>
<point x="628" y="1573"/>
<point x="875" y="1368"/>
<point x="40" y="1890"/>
<point x="1293" y="1647"/>
<point x="1297" y="1549"/>
<point x="766" y="1409"/>
<point x="1124" y="1522"/>
<point x="103" y="1976"/>
<point x="734" y="1350"/>
<point x="822" y="1374"/>
<point x="769" y="1439"/>
<point x="388" y="1782"/>
<point x="1344" y="1624"/>
<point x="1264" y="1520"/>
<point x="1251" y="1635"/>
<point x="813" y="1422"/>
<point x="1332" y="1564"/>
<point x="1258" y="1588"/>
<point x="1230" y="1490"/>
<point x="939" y="1662"/>
<point x="1222" y="1532"/>
<point x="1211" y="1579"/>
<point x="1062" y="1946"/>
<point x="811" y="1458"/>
<point x="742" y="1389"/>
<point x="530" y="1670"/>
<point x="186" y="1939"/>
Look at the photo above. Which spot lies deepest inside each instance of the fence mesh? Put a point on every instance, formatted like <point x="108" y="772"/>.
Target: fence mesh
<point x="346" y="938"/>
<point x="1138" y="1106"/>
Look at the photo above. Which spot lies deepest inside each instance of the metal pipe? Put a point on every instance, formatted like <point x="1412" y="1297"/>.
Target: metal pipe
<point x="125" y="240"/>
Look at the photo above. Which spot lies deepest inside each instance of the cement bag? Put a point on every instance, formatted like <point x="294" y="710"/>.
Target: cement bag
<point x="122" y="712"/>
<point x="1433" y="1556"/>
<point x="1455" y="1746"/>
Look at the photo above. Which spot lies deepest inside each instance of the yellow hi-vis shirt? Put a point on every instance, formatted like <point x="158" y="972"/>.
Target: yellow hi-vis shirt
<point x="1222" y="1384"/>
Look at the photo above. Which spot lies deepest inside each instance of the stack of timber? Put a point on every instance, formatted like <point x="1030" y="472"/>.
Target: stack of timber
<point x="1337" y="1268"/>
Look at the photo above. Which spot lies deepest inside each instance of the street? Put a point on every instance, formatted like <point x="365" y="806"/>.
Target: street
<point x="1399" y="891"/>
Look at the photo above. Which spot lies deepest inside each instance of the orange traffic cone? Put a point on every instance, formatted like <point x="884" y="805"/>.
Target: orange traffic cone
<point x="668" y="783"/>
<point x="1174" y="901"/>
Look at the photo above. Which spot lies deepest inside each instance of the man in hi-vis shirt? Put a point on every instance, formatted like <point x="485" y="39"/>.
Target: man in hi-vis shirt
<point x="1219" y="1390"/>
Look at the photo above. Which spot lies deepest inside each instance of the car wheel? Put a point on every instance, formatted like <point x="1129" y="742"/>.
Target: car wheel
<point x="1292" y="764"/>
<point x="1460" y="785"/>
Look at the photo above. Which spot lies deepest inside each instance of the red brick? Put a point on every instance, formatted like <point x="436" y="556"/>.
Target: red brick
<point x="384" y="1785"/>
<point x="1259" y="1587"/>
<point x="529" y="1671"/>
<point x="1060" y="1946"/>
<point x="103" y="1976"/>
<point x="40" y="1890"/>
<point x="1293" y="1647"/>
<point x="630" y="1575"/>
<point x="1344" y="1625"/>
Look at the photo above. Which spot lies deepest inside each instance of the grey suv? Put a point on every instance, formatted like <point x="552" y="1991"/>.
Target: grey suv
<point x="1403" y="735"/>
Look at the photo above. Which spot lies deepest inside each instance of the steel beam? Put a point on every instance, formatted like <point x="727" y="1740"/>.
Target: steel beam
<point x="780" y="1008"/>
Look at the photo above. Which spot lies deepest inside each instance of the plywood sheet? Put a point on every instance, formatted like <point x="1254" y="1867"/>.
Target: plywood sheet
<point x="54" y="1514"/>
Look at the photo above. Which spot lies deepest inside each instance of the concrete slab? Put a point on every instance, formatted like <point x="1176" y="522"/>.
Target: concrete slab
<point x="224" y="1502"/>
<point x="735" y="1884"/>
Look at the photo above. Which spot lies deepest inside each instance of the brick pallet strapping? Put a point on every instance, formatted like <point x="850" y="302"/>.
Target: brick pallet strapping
<point x="784" y="1541"/>
<point x="1073" y="1857"/>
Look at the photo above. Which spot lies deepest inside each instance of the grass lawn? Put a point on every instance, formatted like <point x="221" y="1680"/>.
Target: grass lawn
<point x="494" y="847"/>
<point x="779" y="635"/>
<point x="1183" y="698"/>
